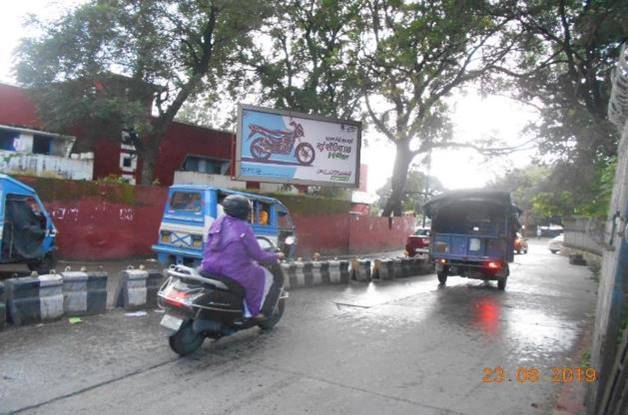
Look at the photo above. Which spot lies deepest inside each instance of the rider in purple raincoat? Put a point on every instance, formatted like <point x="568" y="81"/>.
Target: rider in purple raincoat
<point x="232" y="251"/>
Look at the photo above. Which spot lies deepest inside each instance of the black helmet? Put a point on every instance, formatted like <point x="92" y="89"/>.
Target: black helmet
<point x="237" y="206"/>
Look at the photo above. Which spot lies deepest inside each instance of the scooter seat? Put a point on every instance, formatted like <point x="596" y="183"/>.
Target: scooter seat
<point x="231" y="284"/>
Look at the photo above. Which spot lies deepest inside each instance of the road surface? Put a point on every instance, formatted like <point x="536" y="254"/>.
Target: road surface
<point x="401" y="347"/>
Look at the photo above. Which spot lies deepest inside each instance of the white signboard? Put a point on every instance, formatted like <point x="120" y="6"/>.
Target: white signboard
<point x="287" y="147"/>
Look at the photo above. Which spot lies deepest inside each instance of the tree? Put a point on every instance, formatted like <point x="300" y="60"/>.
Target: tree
<point x="109" y="64"/>
<point x="414" y="55"/>
<point x="415" y="195"/>
<point x="562" y="65"/>
<point x="311" y="65"/>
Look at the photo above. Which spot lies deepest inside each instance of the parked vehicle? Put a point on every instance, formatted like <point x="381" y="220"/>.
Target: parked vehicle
<point x="191" y="209"/>
<point x="269" y="142"/>
<point x="27" y="234"/>
<point x="473" y="234"/>
<point x="521" y="244"/>
<point x="200" y="305"/>
<point x="556" y="244"/>
<point x="418" y="242"/>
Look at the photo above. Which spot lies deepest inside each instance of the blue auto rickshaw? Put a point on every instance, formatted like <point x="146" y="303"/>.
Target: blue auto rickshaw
<point x="473" y="234"/>
<point x="191" y="209"/>
<point x="27" y="234"/>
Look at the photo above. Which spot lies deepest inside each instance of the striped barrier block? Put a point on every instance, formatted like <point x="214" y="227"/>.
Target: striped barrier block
<point x="323" y="269"/>
<point x="84" y="293"/>
<point x="345" y="273"/>
<point x="361" y="270"/>
<point x="406" y="267"/>
<point x="289" y="272"/>
<point x="384" y="269"/>
<point x="34" y="299"/>
<point x="134" y="291"/>
<point x="153" y="281"/>
<point x="308" y="274"/>
<point x="3" y="306"/>
<point x="397" y="268"/>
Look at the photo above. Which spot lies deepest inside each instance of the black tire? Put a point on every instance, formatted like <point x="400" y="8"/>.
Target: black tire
<point x="185" y="341"/>
<point x="442" y="277"/>
<point x="518" y="252"/>
<point x="305" y="153"/>
<point x="553" y="251"/>
<point x="501" y="283"/>
<point x="258" y="151"/>
<point x="272" y="321"/>
<point x="43" y="266"/>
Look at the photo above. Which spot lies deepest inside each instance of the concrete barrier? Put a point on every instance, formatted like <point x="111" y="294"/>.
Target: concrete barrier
<point x="153" y="281"/>
<point x="314" y="273"/>
<point x="84" y="292"/>
<point x="361" y="270"/>
<point x="383" y="269"/>
<point x="33" y="300"/>
<point x="133" y="294"/>
<point x="3" y="306"/>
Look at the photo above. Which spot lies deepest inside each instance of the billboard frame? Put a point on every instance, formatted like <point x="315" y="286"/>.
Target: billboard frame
<point x="238" y="158"/>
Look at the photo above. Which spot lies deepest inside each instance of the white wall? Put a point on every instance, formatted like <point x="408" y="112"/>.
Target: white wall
<point x="42" y="165"/>
<point x="190" y="177"/>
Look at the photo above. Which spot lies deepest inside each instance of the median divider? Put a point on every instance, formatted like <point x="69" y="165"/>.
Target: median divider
<point x="383" y="269"/>
<point x="315" y="273"/>
<point x="35" y="299"/>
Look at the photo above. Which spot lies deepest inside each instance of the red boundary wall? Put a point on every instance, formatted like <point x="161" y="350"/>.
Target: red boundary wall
<point x="106" y="221"/>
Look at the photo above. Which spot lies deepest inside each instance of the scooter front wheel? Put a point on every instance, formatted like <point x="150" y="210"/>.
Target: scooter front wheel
<point x="185" y="341"/>
<point x="272" y="321"/>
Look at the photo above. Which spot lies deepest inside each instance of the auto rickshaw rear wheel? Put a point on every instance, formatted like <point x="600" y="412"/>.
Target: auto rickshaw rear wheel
<point x="501" y="283"/>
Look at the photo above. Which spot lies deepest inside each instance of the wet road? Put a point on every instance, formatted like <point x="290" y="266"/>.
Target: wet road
<point x="404" y="347"/>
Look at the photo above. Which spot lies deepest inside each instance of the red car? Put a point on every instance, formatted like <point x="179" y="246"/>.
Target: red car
<point x="419" y="242"/>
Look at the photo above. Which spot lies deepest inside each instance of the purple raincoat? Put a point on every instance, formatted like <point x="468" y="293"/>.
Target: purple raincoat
<point x="232" y="251"/>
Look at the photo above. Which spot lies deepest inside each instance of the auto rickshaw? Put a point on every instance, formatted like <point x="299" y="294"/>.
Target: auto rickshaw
<point x="473" y="233"/>
<point x="191" y="209"/>
<point x="27" y="234"/>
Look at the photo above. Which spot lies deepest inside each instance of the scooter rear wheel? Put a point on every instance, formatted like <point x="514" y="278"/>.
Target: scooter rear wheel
<point x="185" y="341"/>
<point x="272" y="321"/>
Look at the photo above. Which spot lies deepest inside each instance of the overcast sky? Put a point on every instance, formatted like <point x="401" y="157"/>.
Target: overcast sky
<point x="474" y="117"/>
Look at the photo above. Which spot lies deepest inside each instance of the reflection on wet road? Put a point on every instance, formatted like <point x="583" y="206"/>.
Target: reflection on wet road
<point x="407" y="347"/>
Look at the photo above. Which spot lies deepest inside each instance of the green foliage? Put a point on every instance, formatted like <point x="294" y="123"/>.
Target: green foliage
<point x="107" y="64"/>
<point x="553" y="204"/>
<point x="414" y="195"/>
<point x="562" y="65"/>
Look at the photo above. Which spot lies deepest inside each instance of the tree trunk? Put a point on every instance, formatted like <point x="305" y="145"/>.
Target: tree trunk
<point x="148" y="153"/>
<point x="403" y="158"/>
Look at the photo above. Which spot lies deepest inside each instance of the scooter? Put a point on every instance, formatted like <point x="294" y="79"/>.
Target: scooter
<point x="200" y="305"/>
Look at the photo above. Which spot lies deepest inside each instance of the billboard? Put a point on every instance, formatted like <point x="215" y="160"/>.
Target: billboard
<point x="287" y="147"/>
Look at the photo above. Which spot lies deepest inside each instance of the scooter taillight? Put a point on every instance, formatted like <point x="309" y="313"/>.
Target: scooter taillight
<point x="176" y="298"/>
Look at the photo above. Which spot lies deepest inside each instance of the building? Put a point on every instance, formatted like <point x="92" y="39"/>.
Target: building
<point x="199" y="151"/>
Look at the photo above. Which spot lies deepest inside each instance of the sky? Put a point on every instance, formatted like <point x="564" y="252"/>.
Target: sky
<point x="473" y="117"/>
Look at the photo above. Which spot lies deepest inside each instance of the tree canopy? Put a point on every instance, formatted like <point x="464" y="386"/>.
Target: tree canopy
<point x="109" y="64"/>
